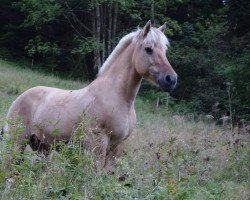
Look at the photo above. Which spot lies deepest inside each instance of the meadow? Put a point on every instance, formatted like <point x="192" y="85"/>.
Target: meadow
<point x="169" y="156"/>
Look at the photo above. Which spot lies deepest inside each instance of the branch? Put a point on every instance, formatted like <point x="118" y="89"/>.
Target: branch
<point x="76" y="20"/>
<point x="73" y="26"/>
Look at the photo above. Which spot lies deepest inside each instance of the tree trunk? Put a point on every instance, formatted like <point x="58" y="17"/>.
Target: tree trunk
<point x="96" y="26"/>
<point x="109" y="28"/>
<point x="98" y="35"/>
<point x="152" y="11"/>
<point x="114" y="24"/>
<point x="103" y="14"/>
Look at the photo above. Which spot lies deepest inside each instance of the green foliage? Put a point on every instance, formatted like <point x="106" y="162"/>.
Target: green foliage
<point x="86" y="45"/>
<point x="161" y="99"/>
<point x="233" y="70"/>
<point x="39" y="12"/>
<point x="196" y="60"/>
<point x="36" y="46"/>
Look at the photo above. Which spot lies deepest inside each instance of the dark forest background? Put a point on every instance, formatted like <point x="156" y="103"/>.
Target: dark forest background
<point x="210" y="47"/>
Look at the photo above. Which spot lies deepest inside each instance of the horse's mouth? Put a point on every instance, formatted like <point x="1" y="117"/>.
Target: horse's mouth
<point x="165" y="87"/>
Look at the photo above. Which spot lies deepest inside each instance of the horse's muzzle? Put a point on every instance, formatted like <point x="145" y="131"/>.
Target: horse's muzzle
<point x="167" y="81"/>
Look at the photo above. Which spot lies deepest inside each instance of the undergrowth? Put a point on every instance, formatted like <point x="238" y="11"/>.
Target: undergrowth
<point x="68" y="173"/>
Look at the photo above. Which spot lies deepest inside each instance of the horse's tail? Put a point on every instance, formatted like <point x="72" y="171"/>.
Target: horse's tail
<point x="1" y="133"/>
<point x="3" y="130"/>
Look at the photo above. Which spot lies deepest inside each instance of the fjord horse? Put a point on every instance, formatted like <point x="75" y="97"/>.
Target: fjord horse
<point x="109" y="99"/>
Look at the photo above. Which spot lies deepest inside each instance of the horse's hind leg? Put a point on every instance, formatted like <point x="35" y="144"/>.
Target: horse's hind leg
<point x="38" y="145"/>
<point x="18" y="140"/>
<point x="14" y="148"/>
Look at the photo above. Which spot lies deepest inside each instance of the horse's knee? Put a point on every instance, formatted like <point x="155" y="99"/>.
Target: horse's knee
<point x="119" y="150"/>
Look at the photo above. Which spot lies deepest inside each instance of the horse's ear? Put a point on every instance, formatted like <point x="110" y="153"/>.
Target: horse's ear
<point x="163" y="27"/>
<point x="146" y="28"/>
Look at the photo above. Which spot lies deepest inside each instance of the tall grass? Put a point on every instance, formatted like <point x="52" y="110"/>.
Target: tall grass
<point x="168" y="156"/>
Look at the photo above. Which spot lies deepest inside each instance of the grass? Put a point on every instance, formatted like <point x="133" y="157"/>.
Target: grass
<point x="169" y="156"/>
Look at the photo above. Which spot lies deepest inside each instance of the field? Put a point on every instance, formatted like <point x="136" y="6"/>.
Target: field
<point x="168" y="156"/>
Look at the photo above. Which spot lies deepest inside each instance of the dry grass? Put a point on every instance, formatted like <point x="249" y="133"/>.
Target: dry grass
<point x="174" y="148"/>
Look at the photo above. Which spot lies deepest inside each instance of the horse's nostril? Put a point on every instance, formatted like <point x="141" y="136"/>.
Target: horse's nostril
<point x="168" y="79"/>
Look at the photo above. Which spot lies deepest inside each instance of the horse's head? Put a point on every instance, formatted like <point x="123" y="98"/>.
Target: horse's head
<point x="150" y="59"/>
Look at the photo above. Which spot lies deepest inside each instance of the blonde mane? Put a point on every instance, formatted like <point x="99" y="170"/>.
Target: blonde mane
<point x="154" y="38"/>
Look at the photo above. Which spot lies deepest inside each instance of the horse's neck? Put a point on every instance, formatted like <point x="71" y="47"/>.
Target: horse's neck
<point x="122" y="77"/>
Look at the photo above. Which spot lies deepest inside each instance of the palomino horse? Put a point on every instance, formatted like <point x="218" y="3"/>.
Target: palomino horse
<point x="110" y="98"/>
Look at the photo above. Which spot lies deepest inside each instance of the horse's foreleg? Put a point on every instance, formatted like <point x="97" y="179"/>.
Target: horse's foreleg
<point x="114" y="153"/>
<point x="100" y="149"/>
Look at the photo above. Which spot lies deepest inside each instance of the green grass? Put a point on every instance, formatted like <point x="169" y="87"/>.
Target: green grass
<point x="169" y="156"/>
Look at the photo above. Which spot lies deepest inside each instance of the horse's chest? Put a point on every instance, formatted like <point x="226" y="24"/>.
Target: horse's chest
<point x="122" y="125"/>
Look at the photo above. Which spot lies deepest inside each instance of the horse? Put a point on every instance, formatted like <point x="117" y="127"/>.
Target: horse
<point x="109" y="99"/>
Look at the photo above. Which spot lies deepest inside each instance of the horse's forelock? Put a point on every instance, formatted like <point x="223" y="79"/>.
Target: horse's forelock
<point x="156" y="38"/>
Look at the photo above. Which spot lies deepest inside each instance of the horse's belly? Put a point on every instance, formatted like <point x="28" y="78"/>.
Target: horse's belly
<point x="54" y="129"/>
<point x="55" y="124"/>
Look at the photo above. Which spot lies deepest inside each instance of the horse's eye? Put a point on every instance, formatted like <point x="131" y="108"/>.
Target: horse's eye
<point x="149" y="50"/>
